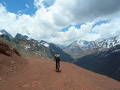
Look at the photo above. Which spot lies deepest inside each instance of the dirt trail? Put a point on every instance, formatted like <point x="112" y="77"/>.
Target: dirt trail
<point x="39" y="74"/>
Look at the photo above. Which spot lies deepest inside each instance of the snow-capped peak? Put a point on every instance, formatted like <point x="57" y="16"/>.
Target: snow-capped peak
<point x="44" y="43"/>
<point x="83" y="43"/>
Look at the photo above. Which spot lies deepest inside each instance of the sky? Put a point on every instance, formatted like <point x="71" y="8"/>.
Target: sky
<point x="61" y="21"/>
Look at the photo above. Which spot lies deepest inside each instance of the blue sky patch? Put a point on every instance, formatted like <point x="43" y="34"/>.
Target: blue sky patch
<point x="79" y="25"/>
<point x="100" y="23"/>
<point x="20" y="6"/>
<point x="67" y="28"/>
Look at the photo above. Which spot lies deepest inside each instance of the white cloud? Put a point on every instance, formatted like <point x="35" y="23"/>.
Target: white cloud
<point x="46" y="22"/>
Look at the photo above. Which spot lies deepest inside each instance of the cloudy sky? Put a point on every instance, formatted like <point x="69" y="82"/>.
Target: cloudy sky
<point x="61" y="21"/>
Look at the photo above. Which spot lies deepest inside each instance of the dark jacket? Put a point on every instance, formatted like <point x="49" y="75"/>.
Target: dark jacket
<point x="57" y="58"/>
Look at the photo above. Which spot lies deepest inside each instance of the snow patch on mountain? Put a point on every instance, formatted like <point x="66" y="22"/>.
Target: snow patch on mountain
<point x="44" y="43"/>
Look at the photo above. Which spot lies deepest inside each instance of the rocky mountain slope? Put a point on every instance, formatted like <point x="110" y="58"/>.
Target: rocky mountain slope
<point x="104" y="62"/>
<point x="56" y="49"/>
<point x="26" y="47"/>
<point x="33" y="48"/>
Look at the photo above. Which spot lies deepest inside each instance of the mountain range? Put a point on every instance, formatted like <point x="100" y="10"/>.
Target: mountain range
<point x="21" y="73"/>
<point x="100" y="56"/>
<point x="81" y="48"/>
<point x="33" y="48"/>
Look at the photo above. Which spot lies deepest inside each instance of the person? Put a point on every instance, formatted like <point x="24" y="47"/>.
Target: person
<point x="57" y="59"/>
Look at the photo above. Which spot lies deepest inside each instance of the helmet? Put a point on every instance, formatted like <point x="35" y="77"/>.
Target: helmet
<point x="57" y="55"/>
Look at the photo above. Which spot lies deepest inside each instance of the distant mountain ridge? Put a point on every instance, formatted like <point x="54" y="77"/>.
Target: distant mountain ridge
<point x="20" y="37"/>
<point x="82" y="48"/>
